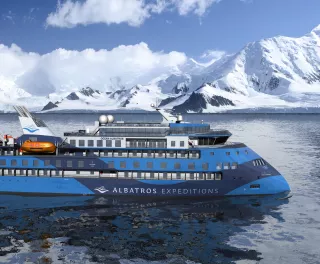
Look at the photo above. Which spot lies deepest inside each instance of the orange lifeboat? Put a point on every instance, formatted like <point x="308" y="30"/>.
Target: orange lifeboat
<point x="38" y="147"/>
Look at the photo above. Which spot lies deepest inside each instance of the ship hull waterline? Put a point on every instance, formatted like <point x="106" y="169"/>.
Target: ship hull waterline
<point x="151" y="188"/>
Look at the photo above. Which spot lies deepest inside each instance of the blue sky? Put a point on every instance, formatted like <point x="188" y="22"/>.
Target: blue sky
<point x="227" y="25"/>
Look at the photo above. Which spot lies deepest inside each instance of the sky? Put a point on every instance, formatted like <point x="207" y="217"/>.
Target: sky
<point x="50" y="46"/>
<point x="189" y="26"/>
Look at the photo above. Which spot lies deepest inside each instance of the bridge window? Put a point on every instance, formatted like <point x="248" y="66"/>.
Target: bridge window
<point x="255" y="186"/>
<point x="177" y="166"/>
<point x="99" y="143"/>
<point x="228" y="153"/>
<point x="237" y="152"/>
<point x="211" y="153"/>
<point x="90" y="143"/>
<point x="24" y="162"/>
<point x="219" y="166"/>
<point x="73" y="142"/>
<point x="118" y="143"/>
<point x="13" y="162"/>
<point x="81" y="143"/>
<point x="3" y="162"/>
<point x="173" y="143"/>
<point x="58" y="163"/>
<point x="181" y="143"/>
<point x="123" y="164"/>
<point x="108" y="143"/>
<point x="47" y="163"/>
<point x="69" y="163"/>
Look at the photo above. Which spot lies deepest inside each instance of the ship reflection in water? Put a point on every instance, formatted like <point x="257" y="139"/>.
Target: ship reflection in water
<point x="108" y="230"/>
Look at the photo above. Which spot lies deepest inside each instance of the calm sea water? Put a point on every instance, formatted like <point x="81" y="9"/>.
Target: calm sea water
<point x="234" y="230"/>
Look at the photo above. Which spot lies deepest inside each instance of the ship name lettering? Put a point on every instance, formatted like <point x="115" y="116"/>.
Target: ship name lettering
<point x="134" y="190"/>
<point x="111" y="138"/>
<point x="189" y="191"/>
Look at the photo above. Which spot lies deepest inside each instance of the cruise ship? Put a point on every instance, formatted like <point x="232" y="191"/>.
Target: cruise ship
<point x="171" y="158"/>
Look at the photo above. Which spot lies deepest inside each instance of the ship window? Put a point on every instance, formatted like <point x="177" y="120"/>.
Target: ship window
<point x="181" y="143"/>
<point x="173" y="143"/>
<point x="33" y="139"/>
<point x="191" y="166"/>
<point x="81" y="143"/>
<point x="3" y="162"/>
<point x="219" y="166"/>
<point x="122" y="164"/>
<point x="228" y="153"/>
<point x="109" y="143"/>
<point x="58" y="163"/>
<point x="255" y="186"/>
<point x="201" y="176"/>
<point x="90" y="143"/>
<point x="205" y="166"/>
<point x="47" y="163"/>
<point x="209" y="176"/>
<point x="118" y="143"/>
<point x="69" y="163"/>
<point x="171" y="154"/>
<point x="163" y="165"/>
<point x="149" y="165"/>
<point x="80" y="163"/>
<point x="77" y="172"/>
<point x="136" y="164"/>
<point x="72" y="142"/>
<point x="24" y="162"/>
<point x="234" y="165"/>
<point x="211" y="153"/>
<point x="237" y="152"/>
<point x="226" y="166"/>
<point x="218" y="176"/>
<point x="110" y="164"/>
<point x="13" y="162"/>
<point x="99" y="143"/>
<point x="246" y="151"/>
<point x="177" y="166"/>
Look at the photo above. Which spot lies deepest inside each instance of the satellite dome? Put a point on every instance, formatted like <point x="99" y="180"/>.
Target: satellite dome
<point x="103" y="119"/>
<point x="110" y="118"/>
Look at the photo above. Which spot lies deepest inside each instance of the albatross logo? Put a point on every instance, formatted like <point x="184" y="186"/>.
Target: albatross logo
<point x="101" y="189"/>
<point x="31" y="129"/>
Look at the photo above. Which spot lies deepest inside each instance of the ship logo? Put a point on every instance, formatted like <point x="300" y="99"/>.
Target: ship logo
<point x="101" y="189"/>
<point x="31" y="129"/>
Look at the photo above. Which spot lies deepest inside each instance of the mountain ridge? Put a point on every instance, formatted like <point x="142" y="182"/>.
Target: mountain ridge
<point x="278" y="72"/>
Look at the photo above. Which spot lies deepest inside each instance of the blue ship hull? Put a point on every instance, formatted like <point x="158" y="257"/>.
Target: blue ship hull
<point x="159" y="188"/>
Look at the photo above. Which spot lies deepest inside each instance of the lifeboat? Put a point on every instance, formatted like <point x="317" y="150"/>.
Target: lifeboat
<point x="38" y="147"/>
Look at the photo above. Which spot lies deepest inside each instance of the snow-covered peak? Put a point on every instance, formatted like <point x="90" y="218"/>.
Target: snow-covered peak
<point x="316" y="30"/>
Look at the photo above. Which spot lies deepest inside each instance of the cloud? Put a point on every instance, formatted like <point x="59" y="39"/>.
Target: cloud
<point x="67" y="70"/>
<point x="213" y="54"/>
<point x="133" y="12"/>
<point x="9" y="16"/>
<point x="197" y="7"/>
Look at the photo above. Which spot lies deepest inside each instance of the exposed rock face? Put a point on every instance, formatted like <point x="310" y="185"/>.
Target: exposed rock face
<point x="73" y="96"/>
<point x="49" y="106"/>
<point x="197" y="102"/>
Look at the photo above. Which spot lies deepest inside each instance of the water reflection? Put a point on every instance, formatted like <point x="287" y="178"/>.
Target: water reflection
<point x="108" y="230"/>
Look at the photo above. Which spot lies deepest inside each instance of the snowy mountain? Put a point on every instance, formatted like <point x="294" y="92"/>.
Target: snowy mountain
<point x="277" y="73"/>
